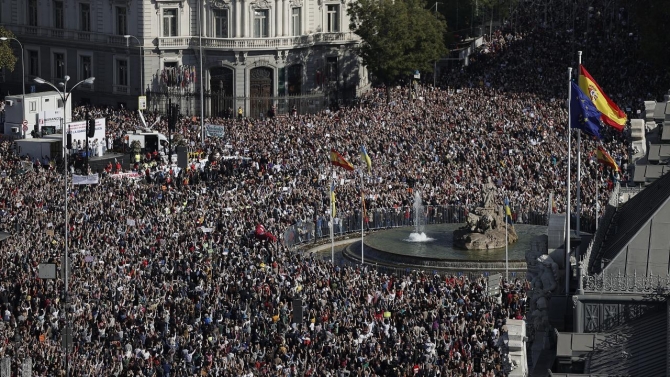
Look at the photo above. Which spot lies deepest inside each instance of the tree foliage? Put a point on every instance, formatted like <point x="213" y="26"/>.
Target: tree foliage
<point x="7" y="58"/>
<point x="655" y="40"/>
<point x="398" y="37"/>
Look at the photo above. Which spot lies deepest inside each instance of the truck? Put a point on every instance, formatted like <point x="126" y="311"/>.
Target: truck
<point x="38" y="148"/>
<point x="149" y="140"/>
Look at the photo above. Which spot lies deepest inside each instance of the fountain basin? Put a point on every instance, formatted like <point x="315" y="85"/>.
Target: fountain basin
<point x="390" y="248"/>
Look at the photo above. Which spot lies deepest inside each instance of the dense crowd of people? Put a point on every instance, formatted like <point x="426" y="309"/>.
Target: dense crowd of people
<point x="169" y="279"/>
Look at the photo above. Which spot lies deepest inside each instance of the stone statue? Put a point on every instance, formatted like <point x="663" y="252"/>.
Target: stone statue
<point x="485" y="227"/>
<point x="489" y="190"/>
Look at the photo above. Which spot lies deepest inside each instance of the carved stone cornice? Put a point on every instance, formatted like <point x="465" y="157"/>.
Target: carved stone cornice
<point x="219" y="4"/>
<point x="158" y="3"/>
<point x="261" y="4"/>
<point x="295" y="3"/>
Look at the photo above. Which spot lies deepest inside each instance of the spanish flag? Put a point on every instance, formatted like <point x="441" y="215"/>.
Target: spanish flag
<point x="605" y="158"/>
<point x="337" y="160"/>
<point x="611" y="113"/>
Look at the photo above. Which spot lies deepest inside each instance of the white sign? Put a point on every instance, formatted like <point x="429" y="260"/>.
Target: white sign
<point x="92" y="179"/>
<point x="142" y="102"/>
<point x="50" y="118"/>
<point x="215" y="130"/>
<point x="78" y="129"/>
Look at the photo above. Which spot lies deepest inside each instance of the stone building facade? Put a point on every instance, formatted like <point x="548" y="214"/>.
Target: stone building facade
<point x="251" y="51"/>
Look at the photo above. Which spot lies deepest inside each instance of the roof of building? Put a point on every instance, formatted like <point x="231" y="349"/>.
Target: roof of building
<point x="629" y="220"/>
<point x="635" y="348"/>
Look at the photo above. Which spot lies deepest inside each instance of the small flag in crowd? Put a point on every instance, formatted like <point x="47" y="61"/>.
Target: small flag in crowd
<point x="508" y="212"/>
<point x="583" y="113"/>
<point x="611" y="114"/>
<point x="337" y="160"/>
<point x="366" y="158"/>
<point x="605" y="158"/>
<point x="332" y="199"/>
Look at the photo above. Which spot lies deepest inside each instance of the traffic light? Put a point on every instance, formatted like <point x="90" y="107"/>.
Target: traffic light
<point x="90" y="128"/>
<point x="172" y="118"/>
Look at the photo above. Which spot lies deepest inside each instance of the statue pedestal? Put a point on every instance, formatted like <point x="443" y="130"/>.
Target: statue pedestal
<point x="484" y="230"/>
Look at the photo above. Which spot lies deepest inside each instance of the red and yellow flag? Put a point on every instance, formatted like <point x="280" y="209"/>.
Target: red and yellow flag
<point x="337" y="160"/>
<point x="611" y="113"/>
<point x="605" y="158"/>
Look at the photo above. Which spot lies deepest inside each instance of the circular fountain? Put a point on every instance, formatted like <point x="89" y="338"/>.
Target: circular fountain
<point x="431" y="247"/>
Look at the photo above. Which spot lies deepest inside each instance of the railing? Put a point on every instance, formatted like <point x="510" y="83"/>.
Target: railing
<point x="225" y="106"/>
<point x="122" y="89"/>
<point x="620" y="283"/>
<point x="308" y="231"/>
<point x="257" y="43"/>
<point x="192" y="41"/>
<point x="64" y="34"/>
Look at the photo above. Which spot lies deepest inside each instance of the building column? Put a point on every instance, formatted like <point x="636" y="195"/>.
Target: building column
<point x="245" y="18"/>
<point x="303" y="17"/>
<point x="279" y="19"/>
<point x="286" y="11"/>
<point x="237" y="8"/>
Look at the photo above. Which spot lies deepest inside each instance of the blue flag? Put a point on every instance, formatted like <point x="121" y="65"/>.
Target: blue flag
<point x="583" y="113"/>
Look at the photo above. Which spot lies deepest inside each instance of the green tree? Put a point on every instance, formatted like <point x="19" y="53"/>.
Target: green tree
<point x="7" y="57"/>
<point x="655" y="41"/>
<point x="398" y="37"/>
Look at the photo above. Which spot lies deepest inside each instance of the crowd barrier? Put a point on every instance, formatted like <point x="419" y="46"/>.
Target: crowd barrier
<point x="306" y="232"/>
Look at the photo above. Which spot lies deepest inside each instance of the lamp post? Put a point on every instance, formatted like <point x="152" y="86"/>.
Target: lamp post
<point x="65" y="95"/>
<point x="435" y="63"/>
<point x="141" y="59"/>
<point x="23" y="75"/>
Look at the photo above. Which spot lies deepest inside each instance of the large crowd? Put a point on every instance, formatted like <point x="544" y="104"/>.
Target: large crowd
<point x="168" y="278"/>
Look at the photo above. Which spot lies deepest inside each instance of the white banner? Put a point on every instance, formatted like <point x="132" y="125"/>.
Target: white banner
<point x="78" y="130"/>
<point x="215" y="130"/>
<point x="92" y="179"/>
<point x="126" y="175"/>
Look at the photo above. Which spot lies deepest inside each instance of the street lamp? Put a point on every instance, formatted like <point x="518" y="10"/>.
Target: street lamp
<point x="65" y="95"/>
<point x="435" y="63"/>
<point x="141" y="58"/>
<point x="23" y="75"/>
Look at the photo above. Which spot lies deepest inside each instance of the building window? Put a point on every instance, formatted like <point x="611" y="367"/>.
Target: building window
<point x="58" y="14"/>
<point x="59" y="65"/>
<point x="85" y="17"/>
<point x="85" y="67"/>
<point x="121" y="21"/>
<point x="32" y="12"/>
<point x="170" y="22"/>
<point x="221" y="23"/>
<point x="333" y="22"/>
<point x="261" y="23"/>
<point x="295" y="21"/>
<point x="33" y="63"/>
<point x="121" y="72"/>
<point x="32" y="106"/>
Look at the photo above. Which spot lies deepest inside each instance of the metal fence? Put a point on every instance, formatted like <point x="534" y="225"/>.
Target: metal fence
<point x="305" y="232"/>
<point x="219" y="105"/>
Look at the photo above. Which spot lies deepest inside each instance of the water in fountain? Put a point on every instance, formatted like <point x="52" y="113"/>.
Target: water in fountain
<point x="419" y="221"/>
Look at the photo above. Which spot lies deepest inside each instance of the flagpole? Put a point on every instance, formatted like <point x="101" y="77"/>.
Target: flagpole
<point x="567" y="205"/>
<point x="362" y="221"/>
<point x="579" y="175"/>
<point x="597" y="184"/>
<point x="332" y="219"/>
<point x="506" y="248"/>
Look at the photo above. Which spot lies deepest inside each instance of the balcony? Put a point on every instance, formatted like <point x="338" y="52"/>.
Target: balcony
<point x="236" y="44"/>
<point x="47" y="33"/>
<point x="120" y="89"/>
<point x="250" y="44"/>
